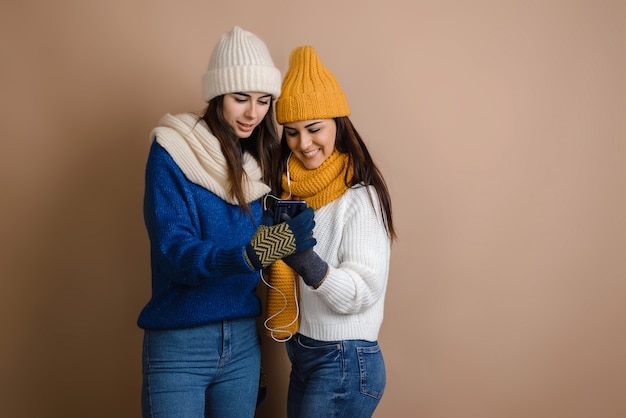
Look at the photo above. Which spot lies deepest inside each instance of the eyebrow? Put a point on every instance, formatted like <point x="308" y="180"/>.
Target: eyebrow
<point x="247" y="95"/>
<point x="306" y="126"/>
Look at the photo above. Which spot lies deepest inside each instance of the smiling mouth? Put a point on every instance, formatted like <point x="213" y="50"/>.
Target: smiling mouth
<point x="309" y="154"/>
<point x="245" y="126"/>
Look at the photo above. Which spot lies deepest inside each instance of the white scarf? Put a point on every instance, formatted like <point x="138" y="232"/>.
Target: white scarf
<point x="198" y="154"/>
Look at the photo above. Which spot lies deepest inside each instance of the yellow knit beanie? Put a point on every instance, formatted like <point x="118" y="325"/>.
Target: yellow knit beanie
<point x="309" y="90"/>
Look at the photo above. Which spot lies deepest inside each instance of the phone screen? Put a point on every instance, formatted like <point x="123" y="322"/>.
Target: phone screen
<point x="287" y="209"/>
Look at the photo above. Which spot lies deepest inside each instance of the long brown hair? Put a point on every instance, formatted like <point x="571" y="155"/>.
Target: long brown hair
<point x="262" y="145"/>
<point x="348" y="141"/>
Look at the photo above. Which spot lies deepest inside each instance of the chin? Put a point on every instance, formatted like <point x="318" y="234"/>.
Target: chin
<point x="244" y="135"/>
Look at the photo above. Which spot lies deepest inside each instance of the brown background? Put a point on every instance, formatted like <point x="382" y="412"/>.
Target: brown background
<point x="500" y="126"/>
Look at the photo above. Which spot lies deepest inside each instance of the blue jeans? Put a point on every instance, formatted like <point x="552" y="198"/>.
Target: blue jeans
<point x="211" y="370"/>
<point x="334" y="379"/>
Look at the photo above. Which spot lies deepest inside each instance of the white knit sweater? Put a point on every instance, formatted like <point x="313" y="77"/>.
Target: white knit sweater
<point x="352" y="239"/>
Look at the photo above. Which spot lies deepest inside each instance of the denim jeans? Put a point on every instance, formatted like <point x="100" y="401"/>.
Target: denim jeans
<point x="334" y="379"/>
<point x="211" y="370"/>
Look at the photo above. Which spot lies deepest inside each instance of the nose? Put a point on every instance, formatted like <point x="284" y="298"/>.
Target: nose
<point x="252" y="111"/>
<point x="305" y="139"/>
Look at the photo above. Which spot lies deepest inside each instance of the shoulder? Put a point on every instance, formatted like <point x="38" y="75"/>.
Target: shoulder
<point x="158" y="155"/>
<point x="361" y="197"/>
<point x="161" y="167"/>
<point x="357" y="203"/>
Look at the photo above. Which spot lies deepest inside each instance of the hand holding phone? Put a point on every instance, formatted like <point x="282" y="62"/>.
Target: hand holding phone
<point x="287" y="209"/>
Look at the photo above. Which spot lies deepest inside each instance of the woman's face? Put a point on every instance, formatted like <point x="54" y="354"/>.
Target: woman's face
<point x="311" y="141"/>
<point x="244" y="111"/>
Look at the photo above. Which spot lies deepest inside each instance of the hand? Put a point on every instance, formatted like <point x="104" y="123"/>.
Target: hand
<point x="309" y="266"/>
<point x="302" y="226"/>
<point x="273" y="242"/>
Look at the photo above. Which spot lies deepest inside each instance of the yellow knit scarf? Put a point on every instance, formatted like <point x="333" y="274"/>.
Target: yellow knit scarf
<point x="317" y="187"/>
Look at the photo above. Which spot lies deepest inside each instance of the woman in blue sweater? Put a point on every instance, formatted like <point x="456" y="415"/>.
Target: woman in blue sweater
<point x="205" y="178"/>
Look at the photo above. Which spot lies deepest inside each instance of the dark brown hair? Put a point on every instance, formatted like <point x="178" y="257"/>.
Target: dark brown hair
<point x="348" y="141"/>
<point x="262" y="145"/>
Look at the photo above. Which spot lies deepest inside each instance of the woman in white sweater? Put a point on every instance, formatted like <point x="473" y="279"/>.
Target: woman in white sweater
<point x="337" y="365"/>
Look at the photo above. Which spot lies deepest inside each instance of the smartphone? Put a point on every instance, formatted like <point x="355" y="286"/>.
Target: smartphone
<point x="287" y="207"/>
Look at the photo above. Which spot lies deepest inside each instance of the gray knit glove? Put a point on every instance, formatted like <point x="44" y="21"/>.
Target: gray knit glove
<point x="309" y="266"/>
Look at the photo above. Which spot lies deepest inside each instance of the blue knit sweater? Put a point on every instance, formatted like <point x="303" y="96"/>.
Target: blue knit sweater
<point x="197" y="240"/>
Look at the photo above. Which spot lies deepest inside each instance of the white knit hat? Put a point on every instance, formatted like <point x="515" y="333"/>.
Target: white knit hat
<point x="240" y="62"/>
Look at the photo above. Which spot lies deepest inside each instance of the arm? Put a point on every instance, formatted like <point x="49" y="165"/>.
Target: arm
<point x="309" y="266"/>
<point x="357" y="279"/>
<point x="181" y="246"/>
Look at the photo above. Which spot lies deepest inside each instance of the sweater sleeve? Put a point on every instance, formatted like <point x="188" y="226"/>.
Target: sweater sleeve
<point x="172" y="217"/>
<point x="358" y="278"/>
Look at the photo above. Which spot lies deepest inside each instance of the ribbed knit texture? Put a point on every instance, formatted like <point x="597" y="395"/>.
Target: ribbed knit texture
<point x="197" y="240"/>
<point x="352" y="239"/>
<point x="199" y="155"/>
<point x="317" y="187"/>
<point x="281" y="317"/>
<point x="309" y="90"/>
<point x="240" y="62"/>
